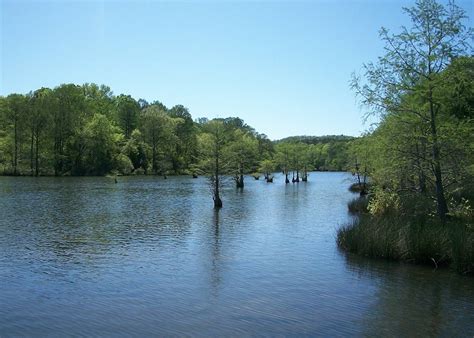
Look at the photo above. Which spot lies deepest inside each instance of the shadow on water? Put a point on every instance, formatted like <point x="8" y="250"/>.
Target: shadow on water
<point x="414" y="300"/>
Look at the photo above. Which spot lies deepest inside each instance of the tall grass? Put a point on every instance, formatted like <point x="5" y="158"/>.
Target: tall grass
<point x="358" y="205"/>
<point x="356" y="187"/>
<point x="413" y="238"/>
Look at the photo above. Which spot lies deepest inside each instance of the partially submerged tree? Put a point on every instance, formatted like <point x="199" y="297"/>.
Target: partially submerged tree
<point x="242" y="153"/>
<point x="267" y="167"/>
<point x="213" y="162"/>
<point x="283" y="159"/>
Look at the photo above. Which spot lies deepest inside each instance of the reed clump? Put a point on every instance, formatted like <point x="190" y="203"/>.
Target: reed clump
<point x="402" y="231"/>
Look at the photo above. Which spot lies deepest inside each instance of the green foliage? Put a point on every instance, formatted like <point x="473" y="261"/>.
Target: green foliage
<point x="383" y="202"/>
<point x="185" y="151"/>
<point x="124" y="164"/>
<point x="102" y="140"/>
<point x="242" y="152"/>
<point x="136" y="150"/>
<point x="316" y="139"/>
<point x="421" y="154"/>
<point x="267" y="167"/>
<point x="213" y="157"/>
<point x="87" y="130"/>
<point x="159" y="131"/>
<point x="127" y="114"/>
<point x="422" y="90"/>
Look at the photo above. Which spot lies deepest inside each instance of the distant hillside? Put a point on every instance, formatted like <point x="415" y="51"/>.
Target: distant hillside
<point x="329" y="152"/>
<point x="316" y="139"/>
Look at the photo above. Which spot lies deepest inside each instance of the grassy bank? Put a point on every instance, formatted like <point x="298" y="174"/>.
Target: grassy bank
<point x="416" y="238"/>
<point x="356" y="187"/>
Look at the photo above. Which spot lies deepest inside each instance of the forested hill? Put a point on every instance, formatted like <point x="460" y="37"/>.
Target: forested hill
<point x="316" y="139"/>
<point x="87" y="130"/>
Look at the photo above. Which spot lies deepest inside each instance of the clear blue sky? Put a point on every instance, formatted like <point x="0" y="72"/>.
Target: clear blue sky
<point x="283" y="67"/>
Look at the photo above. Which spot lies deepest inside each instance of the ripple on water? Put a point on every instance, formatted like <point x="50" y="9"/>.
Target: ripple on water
<point x="147" y="256"/>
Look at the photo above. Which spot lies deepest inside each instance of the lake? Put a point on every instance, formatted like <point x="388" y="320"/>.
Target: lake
<point x="148" y="256"/>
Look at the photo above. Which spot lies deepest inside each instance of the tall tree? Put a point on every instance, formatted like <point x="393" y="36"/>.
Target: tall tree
<point x="283" y="159"/>
<point x="127" y="114"/>
<point x="159" y="130"/>
<point x="102" y="140"/>
<point x="42" y="101"/>
<point x="242" y="153"/>
<point x="14" y="116"/>
<point x="66" y="115"/>
<point x="98" y="99"/>
<point x="213" y="162"/>
<point x="186" y="146"/>
<point x="412" y="63"/>
<point x="136" y="150"/>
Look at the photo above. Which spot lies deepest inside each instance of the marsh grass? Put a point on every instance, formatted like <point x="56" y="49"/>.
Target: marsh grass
<point x="356" y="187"/>
<point x="413" y="238"/>
<point x="358" y="205"/>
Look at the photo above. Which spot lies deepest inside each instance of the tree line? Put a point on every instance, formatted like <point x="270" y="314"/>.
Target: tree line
<point x="87" y="130"/>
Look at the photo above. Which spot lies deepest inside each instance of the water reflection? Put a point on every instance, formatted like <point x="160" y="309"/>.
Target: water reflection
<point x="415" y="301"/>
<point x="216" y="254"/>
<point x="147" y="256"/>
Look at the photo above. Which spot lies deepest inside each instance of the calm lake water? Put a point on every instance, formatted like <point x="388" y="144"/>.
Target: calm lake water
<point x="147" y="256"/>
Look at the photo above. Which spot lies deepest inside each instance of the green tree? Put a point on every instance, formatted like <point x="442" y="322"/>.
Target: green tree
<point x="136" y="149"/>
<point x="98" y="99"/>
<point x="127" y="114"/>
<point x="283" y="159"/>
<point x="185" y="151"/>
<point x="212" y="143"/>
<point x="14" y="114"/>
<point x="159" y="131"/>
<point x="66" y="115"/>
<point x="42" y="101"/>
<point x="242" y="153"/>
<point x="102" y="144"/>
<point x="267" y="167"/>
<point x="413" y="61"/>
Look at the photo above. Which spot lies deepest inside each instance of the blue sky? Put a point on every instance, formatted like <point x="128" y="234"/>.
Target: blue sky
<point x="284" y="67"/>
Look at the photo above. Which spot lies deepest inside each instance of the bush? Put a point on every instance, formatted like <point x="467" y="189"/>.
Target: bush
<point x="139" y="171"/>
<point x="124" y="164"/>
<point x="384" y="202"/>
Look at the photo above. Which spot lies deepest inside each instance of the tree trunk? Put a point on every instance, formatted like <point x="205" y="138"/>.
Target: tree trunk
<point x="442" y="206"/>
<point x="240" y="177"/>
<point x="217" y="198"/>
<point x="37" y="155"/>
<point x="153" y="160"/>
<point x="32" y="153"/>
<point x="15" y="156"/>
